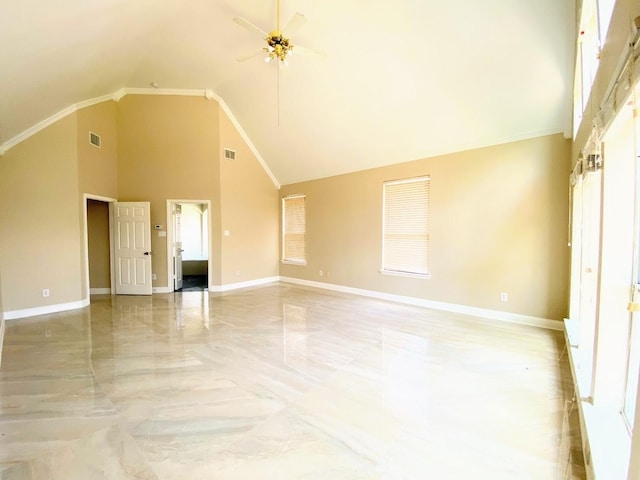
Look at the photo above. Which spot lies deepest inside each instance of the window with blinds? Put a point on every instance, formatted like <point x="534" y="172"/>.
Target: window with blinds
<point x="293" y="229"/>
<point x="405" y="227"/>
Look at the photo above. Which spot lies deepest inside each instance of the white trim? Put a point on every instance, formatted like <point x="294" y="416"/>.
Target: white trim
<point x="249" y="143"/>
<point x="179" y="92"/>
<point x="170" y="234"/>
<point x="109" y="201"/>
<point x="2" y="327"/>
<point x="396" y="273"/>
<point x="209" y="95"/>
<point x="288" y="261"/>
<point x="100" y="291"/>
<point x="448" y="307"/>
<point x="161" y="290"/>
<point x="32" y="312"/>
<point x="31" y="131"/>
<point x="119" y="94"/>
<point x="248" y="283"/>
<point x="603" y="430"/>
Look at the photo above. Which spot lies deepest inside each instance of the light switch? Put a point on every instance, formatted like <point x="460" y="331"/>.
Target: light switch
<point x="162" y="233"/>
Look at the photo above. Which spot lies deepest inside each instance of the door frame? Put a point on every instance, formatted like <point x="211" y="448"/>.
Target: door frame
<point x="110" y="201"/>
<point x="170" y="235"/>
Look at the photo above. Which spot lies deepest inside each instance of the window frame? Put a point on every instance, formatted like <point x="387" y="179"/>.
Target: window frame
<point x="284" y="233"/>
<point x="385" y="270"/>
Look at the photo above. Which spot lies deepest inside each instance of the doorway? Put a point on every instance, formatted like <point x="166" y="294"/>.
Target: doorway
<point x="188" y="245"/>
<point x="98" y="245"/>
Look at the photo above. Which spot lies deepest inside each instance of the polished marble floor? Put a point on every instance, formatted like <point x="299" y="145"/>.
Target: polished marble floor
<point x="282" y="382"/>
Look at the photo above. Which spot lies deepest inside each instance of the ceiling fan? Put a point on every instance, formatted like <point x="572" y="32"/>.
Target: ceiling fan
<point x="278" y="45"/>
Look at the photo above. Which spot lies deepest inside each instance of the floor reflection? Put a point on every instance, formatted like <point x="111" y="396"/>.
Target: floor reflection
<point x="282" y="382"/>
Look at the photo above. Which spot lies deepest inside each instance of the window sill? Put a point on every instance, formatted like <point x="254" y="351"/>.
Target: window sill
<point x="294" y="262"/>
<point x="603" y="430"/>
<point x="405" y="274"/>
<point x="609" y="441"/>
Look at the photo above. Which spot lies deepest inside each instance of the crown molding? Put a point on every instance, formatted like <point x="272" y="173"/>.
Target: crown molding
<point x="31" y="131"/>
<point x="119" y="95"/>
<point x="211" y="95"/>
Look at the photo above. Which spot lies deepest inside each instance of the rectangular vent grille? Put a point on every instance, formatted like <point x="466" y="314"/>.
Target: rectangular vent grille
<point x="94" y="139"/>
<point x="229" y="154"/>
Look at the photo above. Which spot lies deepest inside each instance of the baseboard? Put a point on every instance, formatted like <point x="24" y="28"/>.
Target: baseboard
<point x="236" y="286"/>
<point x="162" y="290"/>
<point x="100" y="291"/>
<point x="448" y="307"/>
<point x="1" y="335"/>
<point x="32" y="312"/>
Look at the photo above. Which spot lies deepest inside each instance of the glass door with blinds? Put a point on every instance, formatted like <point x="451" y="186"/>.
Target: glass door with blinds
<point x="589" y="248"/>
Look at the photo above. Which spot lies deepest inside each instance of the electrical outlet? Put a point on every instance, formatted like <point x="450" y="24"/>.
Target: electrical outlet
<point x="237" y="273"/>
<point x="153" y="276"/>
<point x="504" y="297"/>
<point x="321" y="273"/>
<point x="45" y="292"/>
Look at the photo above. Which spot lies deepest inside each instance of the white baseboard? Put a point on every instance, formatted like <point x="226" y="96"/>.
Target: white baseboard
<point x="32" y="312"/>
<point x="162" y="290"/>
<point x="1" y="334"/>
<point x="236" y="286"/>
<point x="100" y="291"/>
<point x="448" y="307"/>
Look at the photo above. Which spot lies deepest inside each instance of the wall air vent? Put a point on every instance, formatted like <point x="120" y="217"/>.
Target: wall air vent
<point x="94" y="139"/>
<point x="229" y="154"/>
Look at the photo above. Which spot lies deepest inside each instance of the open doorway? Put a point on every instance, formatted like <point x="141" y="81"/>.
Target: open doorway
<point x="98" y="245"/>
<point x="189" y="244"/>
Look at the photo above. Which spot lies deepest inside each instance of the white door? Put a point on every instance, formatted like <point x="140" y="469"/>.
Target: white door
<point x="132" y="250"/>
<point x="177" y="247"/>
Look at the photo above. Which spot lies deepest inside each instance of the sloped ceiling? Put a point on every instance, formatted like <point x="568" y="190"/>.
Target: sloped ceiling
<point x="400" y="80"/>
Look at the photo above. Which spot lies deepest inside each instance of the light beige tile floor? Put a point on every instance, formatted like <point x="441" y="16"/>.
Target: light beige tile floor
<point x="282" y="382"/>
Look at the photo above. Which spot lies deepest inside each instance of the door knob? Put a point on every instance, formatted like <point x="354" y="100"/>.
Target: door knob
<point x="147" y="253"/>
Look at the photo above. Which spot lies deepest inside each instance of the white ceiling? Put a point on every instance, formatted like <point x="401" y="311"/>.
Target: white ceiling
<point x="401" y="80"/>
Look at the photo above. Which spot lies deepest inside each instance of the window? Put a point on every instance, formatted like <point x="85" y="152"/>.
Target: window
<point x="293" y="230"/>
<point x="405" y="227"/>
<point x="587" y="57"/>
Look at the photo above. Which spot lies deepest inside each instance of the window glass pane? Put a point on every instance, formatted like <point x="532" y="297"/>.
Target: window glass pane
<point x="631" y="393"/>
<point x="633" y="367"/>
<point x="605" y="10"/>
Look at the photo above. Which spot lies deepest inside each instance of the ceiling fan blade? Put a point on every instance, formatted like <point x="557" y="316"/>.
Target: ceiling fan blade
<point x="296" y="22"/>
<point x="308" y="52"/>
<point x="242" y="58"/>
<point x="243" y="22"/>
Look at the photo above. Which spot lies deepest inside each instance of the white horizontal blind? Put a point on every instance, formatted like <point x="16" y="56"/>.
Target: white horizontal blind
<point x="405" y="242"/>
<point x="293" y="229"/>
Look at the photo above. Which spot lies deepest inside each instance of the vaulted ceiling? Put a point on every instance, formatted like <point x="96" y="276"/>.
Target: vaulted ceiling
<point x="399" y="80"/>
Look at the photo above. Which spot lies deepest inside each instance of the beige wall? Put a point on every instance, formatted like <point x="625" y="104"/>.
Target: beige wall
<point x="40" y="219"/>
<point x="249" y="213"/>
<point x="167" y="149"/>
<point x="98" y="241"/>
<point x="98" y="167"/>
<point x="498" y="224"/>
<point x="154" y="148"/>
<point x="170" y="148"/>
